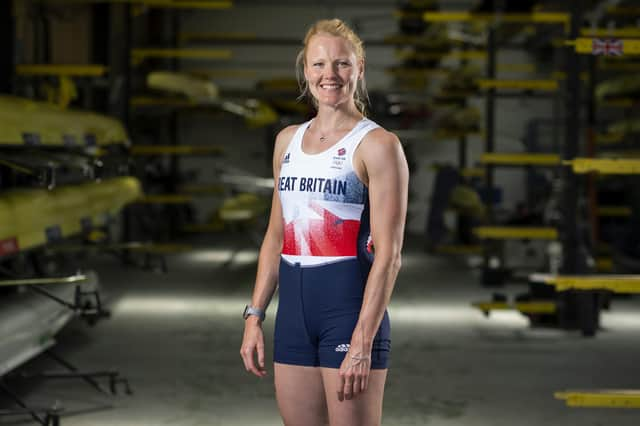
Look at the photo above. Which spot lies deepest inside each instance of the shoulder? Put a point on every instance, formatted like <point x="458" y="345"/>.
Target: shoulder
<point x="283" y="138"/>
<point x="380" y="141"/>
<point x="285" y="135"/>
<point x="381" y="152"/>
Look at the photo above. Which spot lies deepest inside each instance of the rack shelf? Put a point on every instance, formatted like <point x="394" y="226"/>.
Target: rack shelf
<point x="67" y="70"/>
<point x="614" y="283"/>
<point x="604" y="165"/>
<point x="506" y="159"/>
<point x="511" y="18"/>
<point x="516" y="232"/>
<point x="621" y="398"/>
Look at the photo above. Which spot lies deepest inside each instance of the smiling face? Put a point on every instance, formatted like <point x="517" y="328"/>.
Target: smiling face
<point x="332" y="69"/>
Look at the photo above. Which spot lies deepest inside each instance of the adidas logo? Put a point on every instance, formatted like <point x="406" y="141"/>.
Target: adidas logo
<point x="342" y="348"/>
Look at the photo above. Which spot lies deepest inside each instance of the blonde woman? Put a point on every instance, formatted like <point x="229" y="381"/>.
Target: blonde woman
<point x="340" y="195"/>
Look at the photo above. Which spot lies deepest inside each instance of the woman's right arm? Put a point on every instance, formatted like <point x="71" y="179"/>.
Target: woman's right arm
<point x="268" y="265"/>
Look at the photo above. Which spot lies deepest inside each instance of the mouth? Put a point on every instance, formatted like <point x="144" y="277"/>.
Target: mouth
<point x="330" y="86"/>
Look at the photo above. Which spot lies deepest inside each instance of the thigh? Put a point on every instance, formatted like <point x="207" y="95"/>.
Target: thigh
<point x="365" y="409"/>
<point x="300" y="395"/>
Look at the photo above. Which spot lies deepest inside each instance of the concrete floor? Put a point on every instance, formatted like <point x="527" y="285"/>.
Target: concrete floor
<point x="176" y="338"/>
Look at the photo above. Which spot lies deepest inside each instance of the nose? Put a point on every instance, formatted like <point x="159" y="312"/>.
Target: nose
<point x="331" y="71"/>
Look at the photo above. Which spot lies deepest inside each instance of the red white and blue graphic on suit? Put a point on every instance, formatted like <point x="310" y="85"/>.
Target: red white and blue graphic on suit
<point x="324" y="205"/>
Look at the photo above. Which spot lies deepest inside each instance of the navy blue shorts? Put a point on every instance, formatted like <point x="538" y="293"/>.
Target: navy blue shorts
<point x="317" y="312"/>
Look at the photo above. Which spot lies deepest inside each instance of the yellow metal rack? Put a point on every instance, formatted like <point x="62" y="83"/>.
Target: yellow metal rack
<point x="531" y="307"/>
<point x="506" y="159"/>
<point x="62" y="70"/>
<point x="511" y="18"/>
<point x="614" y="283"/>
<point x="606" y="398"/>
<point x="604" y="165"/>
<point x="544" y="85"/>
<point x="456" y="54"/>
<point x="516" y="232"/>
<point x="626" y="32"/>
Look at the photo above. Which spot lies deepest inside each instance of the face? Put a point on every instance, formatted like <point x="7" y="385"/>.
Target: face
<point x="332" y="69"/>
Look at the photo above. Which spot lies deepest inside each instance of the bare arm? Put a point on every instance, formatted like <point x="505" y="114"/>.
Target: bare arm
<point x="388" y="180"/>
<point x="381" y="164"/>
<point x="269" y="258"/>
<point x="268" y="265"/>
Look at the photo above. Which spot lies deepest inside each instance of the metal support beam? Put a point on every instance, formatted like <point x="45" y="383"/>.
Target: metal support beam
<point x="100" y="24"/>
<point x="583" y="306"/>
<point x="7" y="44"/>
<point x="120" y="79"/>
<point x="570" y="150"/>
<point x="592" y="193"/>
<point x="120" y="61"/>
<point x="490" y="105"/>
<point x="174" y="23"/>
<point x="491" y="276"/>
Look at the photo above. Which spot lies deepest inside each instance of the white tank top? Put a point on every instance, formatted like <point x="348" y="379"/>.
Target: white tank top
<point x="324" y="205"/>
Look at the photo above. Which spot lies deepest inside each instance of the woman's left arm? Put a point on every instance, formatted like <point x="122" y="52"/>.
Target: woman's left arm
<point x="388" y="180"/>
<point x="381" y="158"/>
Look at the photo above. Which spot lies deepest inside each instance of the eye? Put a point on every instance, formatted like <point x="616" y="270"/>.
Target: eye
<point x="317" y="64"/>
<point x="344" y="63"/>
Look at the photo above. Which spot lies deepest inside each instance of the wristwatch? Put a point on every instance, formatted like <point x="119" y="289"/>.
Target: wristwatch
<point x="250" y="310"/>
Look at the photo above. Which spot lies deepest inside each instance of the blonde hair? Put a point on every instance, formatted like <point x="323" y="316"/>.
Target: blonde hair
<point x="337" y="28"/>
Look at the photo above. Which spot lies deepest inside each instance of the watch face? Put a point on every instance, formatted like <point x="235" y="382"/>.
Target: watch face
<point x="244" y="314"/>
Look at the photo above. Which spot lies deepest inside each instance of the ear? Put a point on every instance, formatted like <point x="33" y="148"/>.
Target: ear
<point x="360" y="69"/>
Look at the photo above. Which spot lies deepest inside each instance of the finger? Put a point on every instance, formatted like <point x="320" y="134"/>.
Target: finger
<point x="341" y="388"/>
<point x="245" y="361"/>
<point x="257" y="368"/>
<point x="348" y="389"/>
<point x="261" y="356"/>
<point x="364" y="383"/>
<point x="247" y="356"/>
<point x="356" y="386"/>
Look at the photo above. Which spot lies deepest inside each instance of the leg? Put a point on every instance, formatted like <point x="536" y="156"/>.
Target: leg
<point x="300" y="395"/>
<point x="364" y="410"/>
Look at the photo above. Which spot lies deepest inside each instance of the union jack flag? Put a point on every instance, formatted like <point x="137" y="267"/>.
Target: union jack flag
<point x="608" y="47"/>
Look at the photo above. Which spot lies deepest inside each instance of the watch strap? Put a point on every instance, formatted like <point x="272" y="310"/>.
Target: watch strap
<point x="251" y="310"/>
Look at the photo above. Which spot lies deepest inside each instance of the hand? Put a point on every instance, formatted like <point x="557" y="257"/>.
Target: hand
<point x="252" y="342"/>
<point x="354" y="374"/>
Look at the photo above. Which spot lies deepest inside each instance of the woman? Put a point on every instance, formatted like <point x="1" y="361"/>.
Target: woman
<point x="341" y="190"/>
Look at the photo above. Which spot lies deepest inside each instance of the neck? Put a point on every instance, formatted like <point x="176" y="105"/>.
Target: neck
<point x="327" y="121"/>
